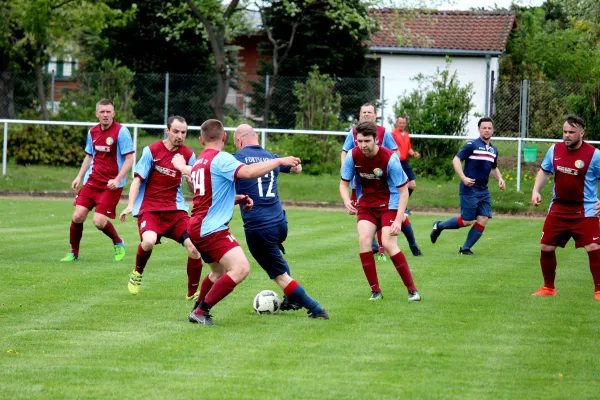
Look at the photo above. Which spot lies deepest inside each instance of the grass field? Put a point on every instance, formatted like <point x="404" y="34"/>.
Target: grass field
<point x="72" y="331"/>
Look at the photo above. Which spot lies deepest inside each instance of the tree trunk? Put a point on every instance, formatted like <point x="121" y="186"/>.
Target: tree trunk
<point x="7" y="95"/>
<point x="39" y="82"/>
<point x="267" y="110"/>
<point x="216" y="104"/>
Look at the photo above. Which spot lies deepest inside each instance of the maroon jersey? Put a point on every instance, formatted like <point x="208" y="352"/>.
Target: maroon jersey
<point x="161" y="182"/>
<point x="575" y="180"/>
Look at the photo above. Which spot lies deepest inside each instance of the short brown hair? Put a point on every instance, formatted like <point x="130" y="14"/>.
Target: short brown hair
<point x="575" y="121"/>
<point x="212" y="130"/>
<point x="174" y="118"/>
<point x="104" y="102"/>
<point x="367" y="128"/>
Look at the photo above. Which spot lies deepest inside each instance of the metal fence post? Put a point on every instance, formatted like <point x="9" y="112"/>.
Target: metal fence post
<point x="263" y="139"/>
<point x="4" y="148"/>
<point x="166" y="97"/>
<point x="52" y="85"/>
<point x="487" y="85"/>
<point x="382" y="99"/>
<point x="519" y="148"/>
<point x="135" y="140"/>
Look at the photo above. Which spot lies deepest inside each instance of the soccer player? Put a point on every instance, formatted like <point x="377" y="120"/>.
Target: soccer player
<point x="384" y="139"/>
<point x="402" y="139"/>
<point x="109" y="156"/>
<point x="213" y="175"/>
<point x="481" y="160"/>
<point x="382" y="197"/>
<point x="574" y="209"/>
<point x="156" y="200"/>
<point x="265" y="225"/>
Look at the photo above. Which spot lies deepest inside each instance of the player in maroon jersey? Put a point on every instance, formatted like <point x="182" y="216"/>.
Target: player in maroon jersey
<point x="382" y="197"/>
<point x="574" y="210"/>
<point x="109" y="156"/>
<point x="213" y="175"/>
<point x="156" y="200"/>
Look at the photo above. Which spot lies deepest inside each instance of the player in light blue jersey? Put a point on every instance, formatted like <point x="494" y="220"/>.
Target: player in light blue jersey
<point x="481" y="161"/>
<point x="265" y="224"/>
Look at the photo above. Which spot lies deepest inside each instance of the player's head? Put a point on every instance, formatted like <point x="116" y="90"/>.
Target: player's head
<point x="212" y="132"/>
<point x="401" y="122"/>
<point x="176" y="130"/>
<point x="486" y="128"/>
<point x="105" y="112"/>
<point x="573" y="130"/>
<point x="367" y="113"/>
<point x="244" y="136"/>
<point x="366" y="134"/>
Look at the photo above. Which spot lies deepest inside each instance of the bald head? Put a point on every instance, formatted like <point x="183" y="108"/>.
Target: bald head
<point x="244" y="136"/>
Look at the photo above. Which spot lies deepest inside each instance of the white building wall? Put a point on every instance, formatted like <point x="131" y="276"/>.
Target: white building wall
<point x="398" y="69"/>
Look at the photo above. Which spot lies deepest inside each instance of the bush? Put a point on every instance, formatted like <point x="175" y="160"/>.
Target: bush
<point x="53" y="145"/>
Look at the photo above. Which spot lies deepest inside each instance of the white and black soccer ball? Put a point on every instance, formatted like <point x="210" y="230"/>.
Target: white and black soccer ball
<point x="267" y="302"/>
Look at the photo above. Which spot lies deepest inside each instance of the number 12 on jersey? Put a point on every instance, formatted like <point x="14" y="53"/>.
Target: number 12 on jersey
<point x="270" y="188"/>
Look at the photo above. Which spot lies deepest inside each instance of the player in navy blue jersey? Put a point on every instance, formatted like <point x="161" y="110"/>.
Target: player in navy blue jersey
<point x="481" y="161"/>
<point x="265" y="225"/>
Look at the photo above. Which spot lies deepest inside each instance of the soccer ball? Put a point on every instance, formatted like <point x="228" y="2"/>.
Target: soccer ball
<point x="267" y="302"/>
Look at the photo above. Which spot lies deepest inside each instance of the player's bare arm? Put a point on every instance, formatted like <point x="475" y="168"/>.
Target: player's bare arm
<point x="457" y="164"/>
<point x="85" y="165"/>
<point x="540" y="180"/>
<point x="113" y="184"/>
<point x="396" y="226"/>
<point x="344" y="188"/>
<point x="257" y="170"/>
<point x="179" y="163"/>
<point x="134" y="190"/>
<point x="343" y="157"/>
<point x="498" y="176"/>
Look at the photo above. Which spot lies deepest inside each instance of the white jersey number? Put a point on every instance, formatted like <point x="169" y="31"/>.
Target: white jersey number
<point x="198" y="181"/>
<point x="270" y="189"/>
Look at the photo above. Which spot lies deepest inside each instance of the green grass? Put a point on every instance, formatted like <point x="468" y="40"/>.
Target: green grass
<point x="73" y="330"/>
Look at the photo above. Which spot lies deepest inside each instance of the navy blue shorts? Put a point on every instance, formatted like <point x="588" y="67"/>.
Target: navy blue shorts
<point x="266" y="246"/>
<point x="474" y="204"/>
<point x="408" y="170"/>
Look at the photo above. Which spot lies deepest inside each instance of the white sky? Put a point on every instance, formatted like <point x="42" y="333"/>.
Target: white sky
<point x="488" y="4"/>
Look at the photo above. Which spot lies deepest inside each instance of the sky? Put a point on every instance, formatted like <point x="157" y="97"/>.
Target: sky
<point x="489" y="4"/>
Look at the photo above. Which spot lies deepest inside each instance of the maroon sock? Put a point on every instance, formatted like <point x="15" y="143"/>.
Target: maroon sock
<point x="75" y="234"/>
<point x="368" y="263"/>
<point x="222" y="287"/>
<point x="194" y="270"/>
<point x="594" y="257"/>
<point x="548" y="264"/>
<point x="141" y="259"/>
<point x="110" y="231"/>
<point x="402" y="267"/>
<point x="207" y="284"/>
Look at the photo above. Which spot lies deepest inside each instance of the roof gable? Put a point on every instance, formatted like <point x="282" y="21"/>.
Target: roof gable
<point x="433" y="29"/>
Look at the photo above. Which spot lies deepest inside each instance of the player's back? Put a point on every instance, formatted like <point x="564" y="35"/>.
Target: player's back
<point x="161" y="189"/>
<point x="267" y="209"/>
<point x="213" y="177"/>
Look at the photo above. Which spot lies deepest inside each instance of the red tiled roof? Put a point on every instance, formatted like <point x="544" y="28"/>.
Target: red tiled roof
<point x="433" y="29"/>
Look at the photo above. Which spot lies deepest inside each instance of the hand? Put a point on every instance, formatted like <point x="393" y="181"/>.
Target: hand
<point x="289" y="161"/>
<point x="597" y="209"/>
<point x="113" y="184"/>
<point x="396" y="227"/>
<point x="536" y="199"/>
<point x="75" y="183"/>
<point x="124" y="213"/>
<point x="350" y="207"/>
<point x="248" y="203"/>
<point x="178" y="161"/>
<point x="468" y="181"/>
<point x="501" y="184"/>
<point x="187" y="178"/>
<point x="416" y="154"/>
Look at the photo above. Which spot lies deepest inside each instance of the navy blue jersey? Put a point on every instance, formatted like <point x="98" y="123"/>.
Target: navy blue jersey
<point x="479" y="159"/>
<point x="267" y="210"/>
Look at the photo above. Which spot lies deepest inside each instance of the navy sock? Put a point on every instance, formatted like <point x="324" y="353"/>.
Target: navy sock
<point x="408" y="233"/>
<point x="452" y="223"/>
<point x="296" y="294"/>
<point x="474" y="234"/>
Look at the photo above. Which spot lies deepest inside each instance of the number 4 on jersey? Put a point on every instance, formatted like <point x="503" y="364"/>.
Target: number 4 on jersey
<point x="270" y="189"/>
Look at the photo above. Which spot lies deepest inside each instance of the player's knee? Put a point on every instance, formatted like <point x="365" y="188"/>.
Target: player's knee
<point x="193" y="252"/>
<point x="468" y="223"/>
<point x="78" y="218"/>
<point x="147" y="245"/>
<point x="99" y="221"/>
<point x="547" y="248"/>
<point x="482" y="220"/>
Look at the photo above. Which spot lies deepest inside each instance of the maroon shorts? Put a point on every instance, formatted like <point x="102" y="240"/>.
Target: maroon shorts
<point x="212" y="247"/>
<point x="169" y="224"/>
<point x="105" y="200"/>
<point x="557" y="231"/>
<point x="379" y="217"/>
